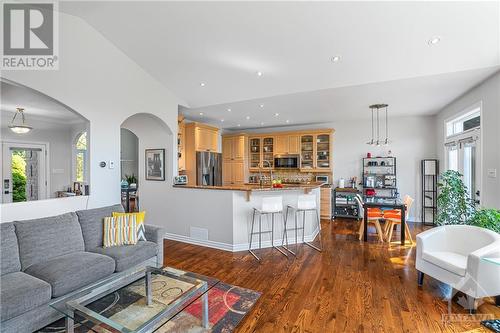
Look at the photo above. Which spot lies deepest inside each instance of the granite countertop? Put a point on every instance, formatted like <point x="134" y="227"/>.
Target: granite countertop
<point x="255" y="187"/>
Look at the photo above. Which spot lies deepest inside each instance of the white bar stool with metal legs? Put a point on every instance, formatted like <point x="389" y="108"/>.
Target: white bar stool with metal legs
<point x="270" y="206"/>
<point x="305" y="203"/>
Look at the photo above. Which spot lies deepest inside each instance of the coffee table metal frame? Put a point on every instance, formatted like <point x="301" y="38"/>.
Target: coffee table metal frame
<point x="76" y="303"/>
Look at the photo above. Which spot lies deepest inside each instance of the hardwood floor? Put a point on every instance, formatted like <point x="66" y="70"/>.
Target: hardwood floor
<point x="350" y="287"/>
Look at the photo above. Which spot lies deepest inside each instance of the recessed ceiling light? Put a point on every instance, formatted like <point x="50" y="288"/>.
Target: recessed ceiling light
<point x="287" y="121"/>
<point x="276" y="114"/>
<point x="228" y="110"/>
<point x="247" y="117"/>
<point x="202" y="84"/>
<point x="258" y="73"/>
<point x="336" y="58"/>
<point x="262" y="105"/>
<point x="262" y="124"/>
<point x="222" y="120"/>
<point x="201" y="113"/>
<point x="434" y="40"/>
<point x="239" y="125"/>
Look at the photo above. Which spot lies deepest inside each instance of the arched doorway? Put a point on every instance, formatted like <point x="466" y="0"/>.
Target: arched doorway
<point x="151" y="134"/>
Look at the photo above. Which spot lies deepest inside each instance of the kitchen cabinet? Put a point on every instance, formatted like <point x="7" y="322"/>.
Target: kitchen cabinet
<point x="234" y="160"/>
<point x="326" y="202"/>
<point x="314" y="148"/>
<point x="294" y="144"/>
<point x="198" y="137"/>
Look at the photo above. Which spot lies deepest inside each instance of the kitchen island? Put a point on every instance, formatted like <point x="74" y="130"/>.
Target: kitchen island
<point x="222" y="215"/>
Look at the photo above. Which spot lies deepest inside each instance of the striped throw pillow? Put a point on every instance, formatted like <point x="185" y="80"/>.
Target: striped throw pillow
<point x="139" y="218"/>
<point x="120" y="230"/>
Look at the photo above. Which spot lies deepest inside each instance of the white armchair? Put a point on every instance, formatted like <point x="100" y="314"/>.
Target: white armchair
<point x="453" y="254"/>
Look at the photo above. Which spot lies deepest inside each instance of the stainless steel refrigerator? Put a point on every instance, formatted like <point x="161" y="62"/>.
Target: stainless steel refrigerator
<point x="208" y="168"/>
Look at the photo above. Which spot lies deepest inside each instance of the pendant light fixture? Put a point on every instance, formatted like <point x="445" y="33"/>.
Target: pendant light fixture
<point x="20" y="128"/>
<point x="376" y="108"/>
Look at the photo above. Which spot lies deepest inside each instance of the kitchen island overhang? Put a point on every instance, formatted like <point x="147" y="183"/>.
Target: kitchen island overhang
<point x="220" y="217"/>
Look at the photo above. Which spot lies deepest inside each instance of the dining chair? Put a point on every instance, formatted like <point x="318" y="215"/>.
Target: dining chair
<point x="374" y="216"/>
<point x="393" y="218"/>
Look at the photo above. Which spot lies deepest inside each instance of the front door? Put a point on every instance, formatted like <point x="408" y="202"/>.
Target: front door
<point x="23" y="172"/>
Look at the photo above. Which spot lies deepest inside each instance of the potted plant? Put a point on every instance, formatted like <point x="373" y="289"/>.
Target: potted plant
<point x="132" y="180"/>
<point x="487" y="218"/>
<point x="454" y="203"/>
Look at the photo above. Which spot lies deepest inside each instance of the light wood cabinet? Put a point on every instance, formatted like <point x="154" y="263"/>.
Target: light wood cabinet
<point x="326" y="202"/>
<point x="282" y="144"/>
<point x="198" y="137"/>
<point x="234" y="165"/>
<point x="293" y="144"/>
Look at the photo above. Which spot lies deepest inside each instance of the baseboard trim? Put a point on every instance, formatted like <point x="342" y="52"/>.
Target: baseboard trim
<point x="232" y="247"/>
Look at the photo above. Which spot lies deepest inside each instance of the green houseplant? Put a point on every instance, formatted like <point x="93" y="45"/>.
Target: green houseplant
<point x="487" y="218"/>
<point x="454" y="203"/>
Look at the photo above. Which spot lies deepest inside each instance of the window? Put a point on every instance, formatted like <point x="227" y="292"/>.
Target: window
<point x="462" y="148"/>
<point x="470" y="120"/>
<point x="81" y="157"/>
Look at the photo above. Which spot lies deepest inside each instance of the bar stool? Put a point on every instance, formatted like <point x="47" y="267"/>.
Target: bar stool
<point x="305" y="203"/>
<point x="270" y="206"/>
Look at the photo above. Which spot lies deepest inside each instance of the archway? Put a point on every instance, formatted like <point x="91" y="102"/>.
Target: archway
<point x="153" y="134"/>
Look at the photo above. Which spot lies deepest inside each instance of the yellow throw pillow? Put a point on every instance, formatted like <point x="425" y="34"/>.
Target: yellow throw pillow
<point x="139" y="218"/>
<point x="120" y="230"/>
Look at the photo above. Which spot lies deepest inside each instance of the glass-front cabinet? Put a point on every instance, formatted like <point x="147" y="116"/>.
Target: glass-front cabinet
<point x="323" y="151"/>
<point x="255" y="150"/>
<point x="268" y="152"/>
<point x="307" y="152"/>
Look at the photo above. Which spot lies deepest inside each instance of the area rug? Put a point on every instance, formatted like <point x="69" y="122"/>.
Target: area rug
<point x="228" y="305"/>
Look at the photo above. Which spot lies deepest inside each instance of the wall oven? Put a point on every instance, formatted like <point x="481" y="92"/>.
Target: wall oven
<point x="286" y="161"/>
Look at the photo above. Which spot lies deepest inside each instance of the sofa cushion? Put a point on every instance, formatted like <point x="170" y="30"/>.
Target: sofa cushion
<point x="91" y="222"/>
<point x="72" y="271"/>
<point x="9" y="249"/>
<point x="20" y="293"/>
<point x="127" y="256"/>
<point x="48" y="237"/>
<point x="450" y="261"/>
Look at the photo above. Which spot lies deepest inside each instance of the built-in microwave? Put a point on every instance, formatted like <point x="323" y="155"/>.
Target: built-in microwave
<point x="286" y="161"/>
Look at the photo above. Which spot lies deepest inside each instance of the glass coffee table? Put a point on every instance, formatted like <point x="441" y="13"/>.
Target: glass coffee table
<point x="493" y="324"/>
<point x="158" y="294"/>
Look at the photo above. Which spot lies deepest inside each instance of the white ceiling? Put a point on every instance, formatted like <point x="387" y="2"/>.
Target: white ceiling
<point x="37" y="106"/>
<point x="385" y="55"/>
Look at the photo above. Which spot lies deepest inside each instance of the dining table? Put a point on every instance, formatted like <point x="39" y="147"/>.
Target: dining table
<point x="384" y="203"/>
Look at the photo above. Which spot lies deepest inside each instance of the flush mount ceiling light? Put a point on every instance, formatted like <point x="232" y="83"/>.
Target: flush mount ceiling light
<point x="276" y="114"/>
<point x="376" y="108"/>
<point x="228" y="110"/>
<point x="202" y="84"/>
<point x="336" y="58"/>
<point x="258" y="73"/>
<point x="262" y="124"/>
<point x="434" y="40"/>
<point x="261" y="106"/>
<point x="247" y="117"/>
<point x="222" y="120"/>
<point x="239" y="125"/>
<point x="287" y="121"/>
<point x="20" y="128"/>
<point x="201" y="113"/>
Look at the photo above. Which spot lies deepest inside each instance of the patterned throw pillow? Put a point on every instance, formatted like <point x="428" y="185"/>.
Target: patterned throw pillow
<point x="139" y="218"/>
<point x="120" y="230"/>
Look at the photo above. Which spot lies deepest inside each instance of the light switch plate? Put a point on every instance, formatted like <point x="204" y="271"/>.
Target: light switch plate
<point x="492" y="173"/>
<point x="111" y="164"/>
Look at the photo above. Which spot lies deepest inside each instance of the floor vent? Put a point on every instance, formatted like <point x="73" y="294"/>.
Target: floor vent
<point x="198" y="233"/>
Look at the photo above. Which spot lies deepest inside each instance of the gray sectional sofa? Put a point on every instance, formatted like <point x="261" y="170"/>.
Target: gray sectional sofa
<point x="47" y="258"/>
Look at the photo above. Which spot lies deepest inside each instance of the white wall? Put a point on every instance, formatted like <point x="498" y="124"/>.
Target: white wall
<point x="488" y="93"/>
<point x="413" y="139"/>
<point x="105" y="86"/>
